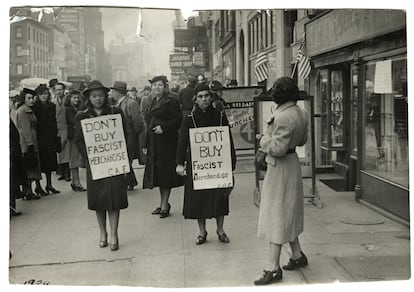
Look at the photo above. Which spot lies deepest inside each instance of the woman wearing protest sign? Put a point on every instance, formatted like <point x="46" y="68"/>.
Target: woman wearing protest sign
<point x="163" y="121"/>
<point x="107" y="194"/>
<point x="73" y="104"/>
<point x="208" y="203"/>
<point x="281" y="205"/>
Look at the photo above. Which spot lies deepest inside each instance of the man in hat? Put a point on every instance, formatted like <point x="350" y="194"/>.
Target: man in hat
<point x="133" y="126"/>
<point x="62" y="127"/>
<point x="133" y="93"/>
<point x="52" y="83"/>
<point x="186" y="96"/>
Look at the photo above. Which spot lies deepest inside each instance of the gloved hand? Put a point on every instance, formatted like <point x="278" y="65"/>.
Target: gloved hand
<point x="180" y="170"/>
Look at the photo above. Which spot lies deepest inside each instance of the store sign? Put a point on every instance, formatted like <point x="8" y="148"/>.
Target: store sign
<point x="180" y="57"/>
<point x="199" y="59"/>
<point x="187" y="64"/>
<point x="105" y="146"/>
<point x="178" y="64"/>
<point x="211" y="158"/>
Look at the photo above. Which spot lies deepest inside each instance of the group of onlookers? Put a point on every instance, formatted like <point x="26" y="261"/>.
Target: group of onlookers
<point x="156" y="126"/>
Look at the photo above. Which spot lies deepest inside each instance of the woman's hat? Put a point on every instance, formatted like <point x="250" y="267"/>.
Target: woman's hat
<point x="41" y="88"/>
<point x="161" y="78"/>
<point x="284" y="89"/>
<point x="120" y="86"/>
<point x="52" y="82"/>
<point x="216" y="85"/>
<point x="23" y="93"/>
<point x="201" y="87"/>
<point x="94" y="84"/>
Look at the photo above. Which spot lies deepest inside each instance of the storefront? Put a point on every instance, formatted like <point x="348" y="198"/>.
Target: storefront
<point x="359" y="80"/>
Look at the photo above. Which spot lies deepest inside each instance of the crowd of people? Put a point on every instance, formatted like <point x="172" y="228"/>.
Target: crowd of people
<point x="46" y="136"/>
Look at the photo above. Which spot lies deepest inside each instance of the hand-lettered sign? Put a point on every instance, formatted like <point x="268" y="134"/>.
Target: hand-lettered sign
<point x="105" y="146"/>
<point x="211" y="158"/>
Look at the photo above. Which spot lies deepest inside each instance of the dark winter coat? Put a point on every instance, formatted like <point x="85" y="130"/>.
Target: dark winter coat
<point x="46" y="129"/>
<point x="107" y="193"/>
<point x="17" y="169"/>
<point x="202" y="203"/>
<point x="161" y="149"/>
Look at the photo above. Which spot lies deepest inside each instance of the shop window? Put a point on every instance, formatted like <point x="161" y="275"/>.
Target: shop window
<point x="386" y="119"/>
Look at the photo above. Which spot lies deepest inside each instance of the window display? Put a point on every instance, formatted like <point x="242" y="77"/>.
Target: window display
<point x="386" y="119"/>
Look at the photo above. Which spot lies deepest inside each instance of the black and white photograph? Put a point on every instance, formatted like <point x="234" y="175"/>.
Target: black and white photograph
<point x="173" y="146"/>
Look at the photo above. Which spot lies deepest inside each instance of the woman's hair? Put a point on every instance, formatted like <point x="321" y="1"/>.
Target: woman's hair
<point x="284" y="89"/>
<point x="71" y="93"/>
<point x="22" y="96"/>
<point x="41" y="89"/>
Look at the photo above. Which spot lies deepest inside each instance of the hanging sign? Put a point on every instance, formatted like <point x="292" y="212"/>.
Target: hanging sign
<point x="105" y="146"/>
<point x="211" y="158"/>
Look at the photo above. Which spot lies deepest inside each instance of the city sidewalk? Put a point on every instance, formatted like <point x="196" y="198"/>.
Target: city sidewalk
<point x="56" y="241"/>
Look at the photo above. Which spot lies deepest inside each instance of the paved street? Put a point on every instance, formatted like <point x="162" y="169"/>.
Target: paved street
<point x="56" y="241"/>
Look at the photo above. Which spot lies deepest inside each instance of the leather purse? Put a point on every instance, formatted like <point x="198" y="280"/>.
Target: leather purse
<point x="260" y="159"/>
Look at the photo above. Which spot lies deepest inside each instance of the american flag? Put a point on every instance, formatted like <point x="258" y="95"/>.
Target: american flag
<point x="304" y="66"/>
<point x="261" y="68"/>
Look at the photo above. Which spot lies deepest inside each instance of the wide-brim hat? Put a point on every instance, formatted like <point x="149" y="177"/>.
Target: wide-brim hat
<point x="161" y="78"/>
<point x="120" y="85"/>
<point x="94" y="84"/>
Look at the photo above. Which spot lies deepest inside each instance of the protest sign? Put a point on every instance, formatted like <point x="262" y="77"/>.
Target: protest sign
<point x="105" y="145"/>
<point x="211" y="158"/>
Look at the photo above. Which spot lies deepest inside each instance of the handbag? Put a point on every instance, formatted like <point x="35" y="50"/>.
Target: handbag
<point x="260" y="159"/>
<point x="58" y="144"/>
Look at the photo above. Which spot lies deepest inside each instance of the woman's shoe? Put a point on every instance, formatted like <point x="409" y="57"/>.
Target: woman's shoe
<point x="103" y="243"/>
<point x="201" y="239"/>
<point x="114" y="246"/>
<point x="298" y="263"/>
<point x="80" y="188"/>
<point x="223" y="237"/>
<point x="269" y="277"/>
<point x="52" y="190"/>
<point x="30" y="196"/>
<point x="157" y="211"/>
<point x="40" y="192"/>
<point x="165" y="213"/>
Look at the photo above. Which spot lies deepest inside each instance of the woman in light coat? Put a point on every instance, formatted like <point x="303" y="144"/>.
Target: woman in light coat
<point x="281" y="207"/>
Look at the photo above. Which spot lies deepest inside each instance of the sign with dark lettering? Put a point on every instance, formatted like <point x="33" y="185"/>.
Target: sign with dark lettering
<point x="105" y="145"/>
<point x="211" y="158"/>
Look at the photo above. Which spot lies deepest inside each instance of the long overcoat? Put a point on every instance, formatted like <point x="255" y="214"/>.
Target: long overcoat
<point x="26" y="124"/>
<point x="210" y="203"/>
<point x="106" y="194"/>
<point x="281" y="205"/>
<point x="75" y="157"/>
<point x="161" y="148"/>
<point x="46" y="128"/>
<point x="63" y="156"/>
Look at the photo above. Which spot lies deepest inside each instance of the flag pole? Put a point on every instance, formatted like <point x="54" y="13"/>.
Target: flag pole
<point x="296" y="61"/>
<point x="294" y="69"/>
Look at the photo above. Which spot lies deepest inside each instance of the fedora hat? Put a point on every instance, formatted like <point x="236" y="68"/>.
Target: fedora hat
<point x="94" y="84"/>
<point x="133" y="88"/>
<point x="52" y="82"/>
<point x="120" y="85"/>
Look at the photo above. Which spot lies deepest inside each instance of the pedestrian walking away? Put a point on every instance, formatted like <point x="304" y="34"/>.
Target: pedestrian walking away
<point x="163" y="121"/>
<point x="208" y="203"/>
<point x="106" y="195"/>
<point x="281" y="209"/>
<point x="130" y="109"/>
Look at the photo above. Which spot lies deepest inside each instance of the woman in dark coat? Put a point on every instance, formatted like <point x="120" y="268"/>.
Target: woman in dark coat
<point x="163" y="121"/>
<point x="106" y="194"/>
<point x="73" y="105"/>
<point x="208" y="203"/>
<point x="46" y="128"/>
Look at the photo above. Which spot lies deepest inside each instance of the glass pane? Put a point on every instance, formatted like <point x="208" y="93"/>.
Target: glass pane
<point x="323" y="93"/>
<point x="337" y="109"/>
<point x="354" y="110"/>
<point x="386" y="130"/>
